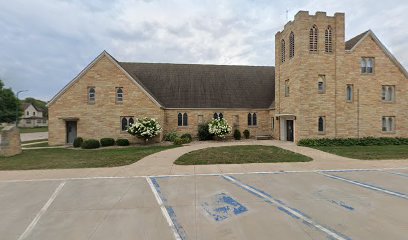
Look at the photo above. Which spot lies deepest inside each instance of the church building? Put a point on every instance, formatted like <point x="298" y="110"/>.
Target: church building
<point x="321" y="87"/>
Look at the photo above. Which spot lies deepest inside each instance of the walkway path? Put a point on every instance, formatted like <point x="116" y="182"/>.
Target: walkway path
<point x="161" y="163"/>
<point x="33" y="136"/>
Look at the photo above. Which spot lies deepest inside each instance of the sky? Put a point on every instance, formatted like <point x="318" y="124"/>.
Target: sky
<point x="44" y="44"/>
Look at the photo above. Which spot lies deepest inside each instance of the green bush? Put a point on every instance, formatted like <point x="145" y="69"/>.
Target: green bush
<point x="78" y="142"/>
<point x="90" y="144"/>
<point x="366" y="141"/>
<point x="187" y="136"/>
<point x="170" y="136"/>
<point x="246" y="133"/>
<point x="237" y="134"/>
<point x="105" y="142"/>
<point x="122" y="142"/>
<point x="203" y="132"/>
<point x="179" y="141"/>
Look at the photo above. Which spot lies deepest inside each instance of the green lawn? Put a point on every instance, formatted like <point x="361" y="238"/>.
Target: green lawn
<point x="34" y="130"/>
<point x="44" y="144"/>
<point x="239" y="155"/>
<point x="72" y="158"/>
<point x="369" y="152"/>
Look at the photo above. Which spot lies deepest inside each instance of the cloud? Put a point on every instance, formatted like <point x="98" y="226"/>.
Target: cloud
<point x="46" y="43"/>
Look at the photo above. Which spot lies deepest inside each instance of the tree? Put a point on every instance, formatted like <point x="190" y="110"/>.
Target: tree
<point x="8" y="104"/>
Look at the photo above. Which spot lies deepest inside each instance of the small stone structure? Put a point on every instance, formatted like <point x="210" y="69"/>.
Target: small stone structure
<point x="10" y="144"/>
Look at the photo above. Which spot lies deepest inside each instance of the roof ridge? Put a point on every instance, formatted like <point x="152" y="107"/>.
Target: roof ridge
<point x="197" y="64"/>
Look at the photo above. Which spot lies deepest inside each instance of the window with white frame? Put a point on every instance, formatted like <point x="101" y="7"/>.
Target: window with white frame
<point x="91" y="94"/>
<point x="328" y="45"/>
<point x="349" y="93"/>
<point x="321" y="84"/>
<point x="218" y="115"/>
<point x="252" y="119"/>
<point x="119" y="95"/>
<point x="388" y="93"/>
<point x="182" y="119"/>
<point x="321" y="124"/>
<point x="125" y="122"/>
<point x="367" y="65"/>
<point x="388" y="124"/>
<point x="313" y="39"/>
<point x="291" y="45"/>
<point x="283" y="50"/>
<point x="287" y="88"/>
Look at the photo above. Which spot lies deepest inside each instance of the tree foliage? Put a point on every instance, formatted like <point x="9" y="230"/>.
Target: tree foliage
<point x="8" y="104"/>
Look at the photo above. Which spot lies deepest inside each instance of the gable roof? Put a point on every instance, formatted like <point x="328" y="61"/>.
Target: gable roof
<point x="206" y="86"/>
<point x="114" y="61"/>
<point x="357" y="40"/>
<point x="352" y="42"/>
<point x="26" y="105"/>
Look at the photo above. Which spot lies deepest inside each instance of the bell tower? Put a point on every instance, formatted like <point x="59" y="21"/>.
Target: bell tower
<point x="307" y="54"/>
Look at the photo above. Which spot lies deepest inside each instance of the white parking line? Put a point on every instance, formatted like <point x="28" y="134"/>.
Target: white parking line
<point x="163" y="209"/>
<point x="199" y="174"/>
<point x="289" y="210"/>
<point x="41" y="212"/>
<point x="375" y="188"/>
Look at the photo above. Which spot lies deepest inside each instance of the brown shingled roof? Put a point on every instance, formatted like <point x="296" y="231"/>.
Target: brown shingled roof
<point x="206" y="86"/>
<point x="352" y="42"/>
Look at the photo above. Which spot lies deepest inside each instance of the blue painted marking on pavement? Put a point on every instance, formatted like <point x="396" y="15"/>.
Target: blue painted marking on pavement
<point x="170" y="210"/>
<point x="292" y="212"/>
<point x="222" y="207"/>
<point x="366" y="185"/>
<point x="397" y="173"/>
<point x="338" y="203"/>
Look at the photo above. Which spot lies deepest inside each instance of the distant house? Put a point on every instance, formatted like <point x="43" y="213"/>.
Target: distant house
<point x="33" y="116"/>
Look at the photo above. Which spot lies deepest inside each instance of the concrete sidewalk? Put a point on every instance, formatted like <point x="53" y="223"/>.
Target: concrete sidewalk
<point x="161" y="163"/>
<point x="33" y="136"/>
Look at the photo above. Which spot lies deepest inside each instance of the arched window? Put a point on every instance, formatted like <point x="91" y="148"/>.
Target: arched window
<point x="349" y="93"/>
<point x="252" y="120"/>
<point x="321" y="126"/>
<point x="291" y="45"/>
<point x="91" y="94"/>
<point x="313" y="39"/>
<point x="119" y="95"/>
<point x="131" y="121"/>
<point x="124" y="124"/>
<point x="283" y="50"/>
<point x="220" y="116"/>
<point x="321" y="84"/>
<point x="215" y="115"/>
<point x="182" y="119"/>
<point x="185" y="119"/>
<point x="328" y="45"/>
<point x="179" y="119"/>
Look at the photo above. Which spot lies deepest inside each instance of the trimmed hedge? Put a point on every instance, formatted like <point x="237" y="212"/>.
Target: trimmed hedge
<point x="105" y="142"/>
<point x="366" y="141"/>
<point x="246" y="133"/>
<point x="179" y="141"/>
<point x="90" y="144"/>
<point x="237" y="134"/>
<point x="78" y="142"/>
<point x="122" y="142"/>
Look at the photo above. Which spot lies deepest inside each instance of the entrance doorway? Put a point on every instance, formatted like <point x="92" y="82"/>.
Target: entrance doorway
<point x="71" y="127"/>
<point x="289" y="130"/>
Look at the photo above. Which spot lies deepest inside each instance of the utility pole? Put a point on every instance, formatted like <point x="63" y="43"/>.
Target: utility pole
<point x="18" y="104"/>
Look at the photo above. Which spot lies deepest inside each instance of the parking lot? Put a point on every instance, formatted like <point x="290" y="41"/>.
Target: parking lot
<point x="335" y="204"/>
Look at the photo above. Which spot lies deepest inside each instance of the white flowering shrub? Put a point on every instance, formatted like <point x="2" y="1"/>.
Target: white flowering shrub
<point x="145" y="128"/>
<point x="219" y="127"/>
